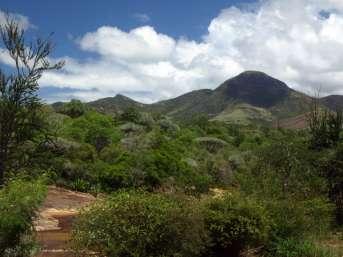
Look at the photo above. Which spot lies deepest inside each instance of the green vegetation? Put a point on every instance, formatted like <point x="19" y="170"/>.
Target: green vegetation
<point x="280" y="195"/>
<point x="141" y="224"/>
<point x="172" y="187"/>
<point x="234" y="223"/>
<point x="19" y="104"/>
<point x="19" y="202"/>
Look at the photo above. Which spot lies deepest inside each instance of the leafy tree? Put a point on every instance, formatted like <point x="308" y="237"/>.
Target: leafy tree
<point x="325" y="126"/>
<point x="130" y="114"/>
<point x="75" y="108"/>
<point x="93" y="128"/>
<point x="19" y="103"/>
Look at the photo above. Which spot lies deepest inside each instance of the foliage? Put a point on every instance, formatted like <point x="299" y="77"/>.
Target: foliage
<point x="93" y="128"/>
<point x="19" y="202"/>
<point x="299" y="219"/>
<point x="283" y="190"/>
<point x="325" y="126"/>
<point x="284" y="168"/>
<point x="212" y="144"/>
<point x="234" y="223"/>
<point x="140" y="224"/>
<point x="297" y="248"/>
<point x="74" y="108"/>
<point x="19" y="103"/>
<point x="130" y="114"/>
<point x="333" y="171"/>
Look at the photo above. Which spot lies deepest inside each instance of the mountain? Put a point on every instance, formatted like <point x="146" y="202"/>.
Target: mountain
<point x="254" y="88"/>
<point x="333" y="102"/>
<point x="115" y="104"/>
<point x="250" y="97"/>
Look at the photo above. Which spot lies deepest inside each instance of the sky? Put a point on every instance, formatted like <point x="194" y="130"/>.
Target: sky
<point x="152" y="50"/>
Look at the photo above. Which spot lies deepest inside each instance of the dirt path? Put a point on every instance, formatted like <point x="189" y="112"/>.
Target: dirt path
<point x="55" y="220"/>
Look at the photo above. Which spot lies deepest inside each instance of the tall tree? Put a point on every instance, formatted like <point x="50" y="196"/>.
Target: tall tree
<point x="19" y="102"/>
<point x="325" y="126"/>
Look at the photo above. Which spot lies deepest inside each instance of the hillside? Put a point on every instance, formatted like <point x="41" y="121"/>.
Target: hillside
<point x="114" y="104"/>
<point x="333" y="102"/>
<point x="250" y="97"/>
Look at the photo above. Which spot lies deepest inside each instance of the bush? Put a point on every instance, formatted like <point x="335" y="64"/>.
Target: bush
<point x="296" y="248"/>
<point x="300" y="219"/>
<point x="333" y="171"/>
<point x="19" y="201"/>
<point x="130" y="114"/>
<point x="94" y="128"/>
<point x="234" y="223"/>
<point x="212" y="144"/>
<point x="140" y="224"/>
<point x="75" y="108"/>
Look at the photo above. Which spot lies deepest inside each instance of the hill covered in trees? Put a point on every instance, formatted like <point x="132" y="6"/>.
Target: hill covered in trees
<point x="252" y="97"/>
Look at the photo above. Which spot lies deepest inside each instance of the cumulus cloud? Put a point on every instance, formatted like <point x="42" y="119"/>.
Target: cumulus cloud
<point x="140" y="44"/>
<point x="298" y="41"/>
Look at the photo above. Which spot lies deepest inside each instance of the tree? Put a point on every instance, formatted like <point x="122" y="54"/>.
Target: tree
<point x="75" y="108"/>
<point x="325" y="126"/>
<point x="19" y="102"/>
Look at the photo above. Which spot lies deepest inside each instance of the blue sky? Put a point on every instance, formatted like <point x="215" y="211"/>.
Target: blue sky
<point x="152" y="49"/>
<point x="73" y="18"/>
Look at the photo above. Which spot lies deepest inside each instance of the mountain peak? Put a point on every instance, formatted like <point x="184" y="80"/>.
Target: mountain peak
<point x="252" y="73"/>
<point x="255" y="88"/>
<point x="120" y="96"/>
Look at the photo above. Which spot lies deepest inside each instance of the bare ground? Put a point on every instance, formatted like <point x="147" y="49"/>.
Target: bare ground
<point x="55" y="220"/>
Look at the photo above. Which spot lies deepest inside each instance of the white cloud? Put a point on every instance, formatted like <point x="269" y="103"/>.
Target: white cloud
<point x="141" y="17"/>
<point x="291" y="40"/>
<point x="140" y="44"/>
<point x="23" y="21"/>
<point x="5" y="58"/>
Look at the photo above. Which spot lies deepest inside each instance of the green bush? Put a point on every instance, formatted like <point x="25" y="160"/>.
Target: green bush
<point x="113" y="177"/>
<point x="299" y="219"/>
<point x="333" y="171"/>
<point x="19" y="201"/>
<point x="93" y="128"/>
<point x="74" y="108"/>
<point x="298" y="248"/>
<point x="139" y="224"/>
<point x="130" y="114"/>
<point x="234" y="223"/>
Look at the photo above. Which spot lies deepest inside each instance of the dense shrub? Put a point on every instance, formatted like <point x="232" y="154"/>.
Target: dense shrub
<point x="19" y="201"/>
<point x="234" y="223"/>
<point x="325" y="127"/>
<point x="299" y="219"/>
<point x="333" y="171"/>
<point x="74" y="108"/>
<point x="298" y="248"/>
<point x="283" y="169"/>
<point x="140" y="224"/>
<point x="212" y="144"/>
<point x="130" y="114"/>
<point x="94" y="128"/>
